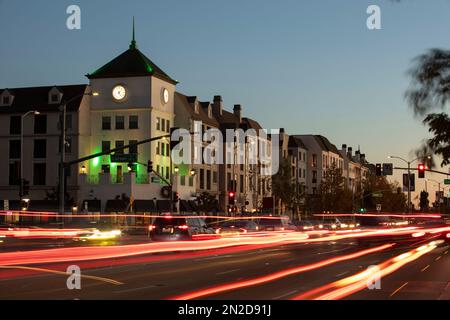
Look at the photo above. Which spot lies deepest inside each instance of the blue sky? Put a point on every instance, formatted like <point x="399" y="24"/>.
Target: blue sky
<point x="309" y="66"/>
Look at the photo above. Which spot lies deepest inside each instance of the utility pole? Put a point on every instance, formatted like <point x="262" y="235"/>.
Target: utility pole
<point x="62" y="161"/>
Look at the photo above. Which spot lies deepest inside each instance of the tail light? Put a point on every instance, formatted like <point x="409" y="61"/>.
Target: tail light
<point x="184" y="227"/>
<point x="151" y="228"/>
<point x="244" y="230"/>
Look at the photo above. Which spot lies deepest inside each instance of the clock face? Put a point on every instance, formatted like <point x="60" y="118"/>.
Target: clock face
<point x="119" y="93"/>
<point x="165" y="96"/>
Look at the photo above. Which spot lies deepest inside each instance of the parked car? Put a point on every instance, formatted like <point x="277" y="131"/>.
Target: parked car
<point x="237" y="227"/>
<point x="177" y="228"/>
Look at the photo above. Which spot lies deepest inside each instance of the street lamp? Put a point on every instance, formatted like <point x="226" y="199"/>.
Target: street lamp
<point x="409" y="175"/>
<point x="21" y="148"/>
<point x="63" y="110"/>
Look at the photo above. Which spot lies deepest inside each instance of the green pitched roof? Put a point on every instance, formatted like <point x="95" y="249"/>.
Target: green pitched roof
<point x="131" y="63"/>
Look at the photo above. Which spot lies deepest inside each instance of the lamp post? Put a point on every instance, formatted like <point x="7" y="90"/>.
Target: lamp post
<point x="409" y="176"/>
<point x="21" y="148"/>
<point x="63" y="109"/>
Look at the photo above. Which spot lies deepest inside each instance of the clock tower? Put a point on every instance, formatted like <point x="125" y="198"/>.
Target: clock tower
<point x="135" y="102"/>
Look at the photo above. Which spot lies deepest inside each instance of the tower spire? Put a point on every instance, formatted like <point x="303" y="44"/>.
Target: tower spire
<point x="133" y="41"/>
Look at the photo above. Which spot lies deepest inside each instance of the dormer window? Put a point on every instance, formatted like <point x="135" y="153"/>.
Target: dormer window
<point x="209" y="111"/>
<point x="54" y="96"/>
<point x="6" y="99"/>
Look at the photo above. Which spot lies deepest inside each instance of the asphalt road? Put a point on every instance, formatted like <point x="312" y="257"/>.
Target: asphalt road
<point x="425" y="278"/>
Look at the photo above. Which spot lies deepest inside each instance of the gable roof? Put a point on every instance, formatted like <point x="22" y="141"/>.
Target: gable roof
<point x="296" y="142"/>
<point x="36" y="98"/>
<point x="327" y="144"/>
<point x="202" y="115"/>
<point x="131" y="63"/>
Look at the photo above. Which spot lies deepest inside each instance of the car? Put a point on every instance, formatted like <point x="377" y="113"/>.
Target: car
<point x="237" y="227"/>
<point x="276" y="224"/>
<point x="305" y="225"/>
<point x="177" y="228"/>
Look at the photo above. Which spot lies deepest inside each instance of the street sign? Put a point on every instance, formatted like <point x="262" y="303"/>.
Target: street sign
<point x="124" y="158"/>
<point x="405" y="182"/>
<point x="377" y="195"/>
<point x="388" y="169"/>
<point x="447" y="181"/>
<point x="379" y="207"/>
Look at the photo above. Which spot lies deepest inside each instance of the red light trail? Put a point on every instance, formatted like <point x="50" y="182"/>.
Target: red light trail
<point x="350" y="285"/>
<point x="277" y="275"/>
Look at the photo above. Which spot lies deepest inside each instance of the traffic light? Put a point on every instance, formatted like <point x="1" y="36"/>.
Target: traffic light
<point x="149" y="166"/>
<point x="379" y="170"/>
<point x="231" y="198"/>
<point x="422" y="169"/>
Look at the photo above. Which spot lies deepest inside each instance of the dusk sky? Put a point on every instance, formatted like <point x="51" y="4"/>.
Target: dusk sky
<point x="309" y="66"/>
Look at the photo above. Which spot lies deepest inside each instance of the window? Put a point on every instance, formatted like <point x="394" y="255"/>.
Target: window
<point x="314" y="160"/>
<point x="133" y="149"/>
<point x="191" y="181"/>
<point x="158" y="123"/>
<point x="106" y="146"/>
<point x="120" y="122"/>
<point x="120" y="144"/>
<point x="168" y="150"/>
<point x="40" y="149"/>
<point x="39" y="174"/>
<point x="167" y="173"/>
<point x="55" y="98"/>
<point x="214" y="174"/>
<point x="163" y="125"/>
<point x="314" y="177"/>
<point x="158" y="146"/>
<point x="158" y="169"/>
<point x="202" y="179"/>
<point x="15" y="125"/>
<point x="163" y="147"/>
<point x="14" y="173"/>
<point x="168" y="126"/>
<point x="241" y="186"/>
<point x="106" y="123"/>
<point x="133" y="122"/>
<point x="14" y="149"/>
<point x="40" y="124"/>
<point x="183" y="180"/>
<point x="6" y="100"/>
<point x="208" y="180"/>
<point x="106" y="168"/>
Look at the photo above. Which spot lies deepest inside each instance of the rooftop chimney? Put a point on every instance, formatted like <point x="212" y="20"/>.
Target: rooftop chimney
<point x="218" y="105"/>
<point x="350" y="152"/>
<point x="238" y="111"/>
<point x="344" y="147"/>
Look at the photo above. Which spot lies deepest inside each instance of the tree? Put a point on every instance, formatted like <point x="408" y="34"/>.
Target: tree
<point x="393" y="199"/>
<point x="424" y="202"/>
<point x="430" y="91"/>
<point x="283" y="188"/>
<point x="206" y="202"/>
<point x="335" y="195"/>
